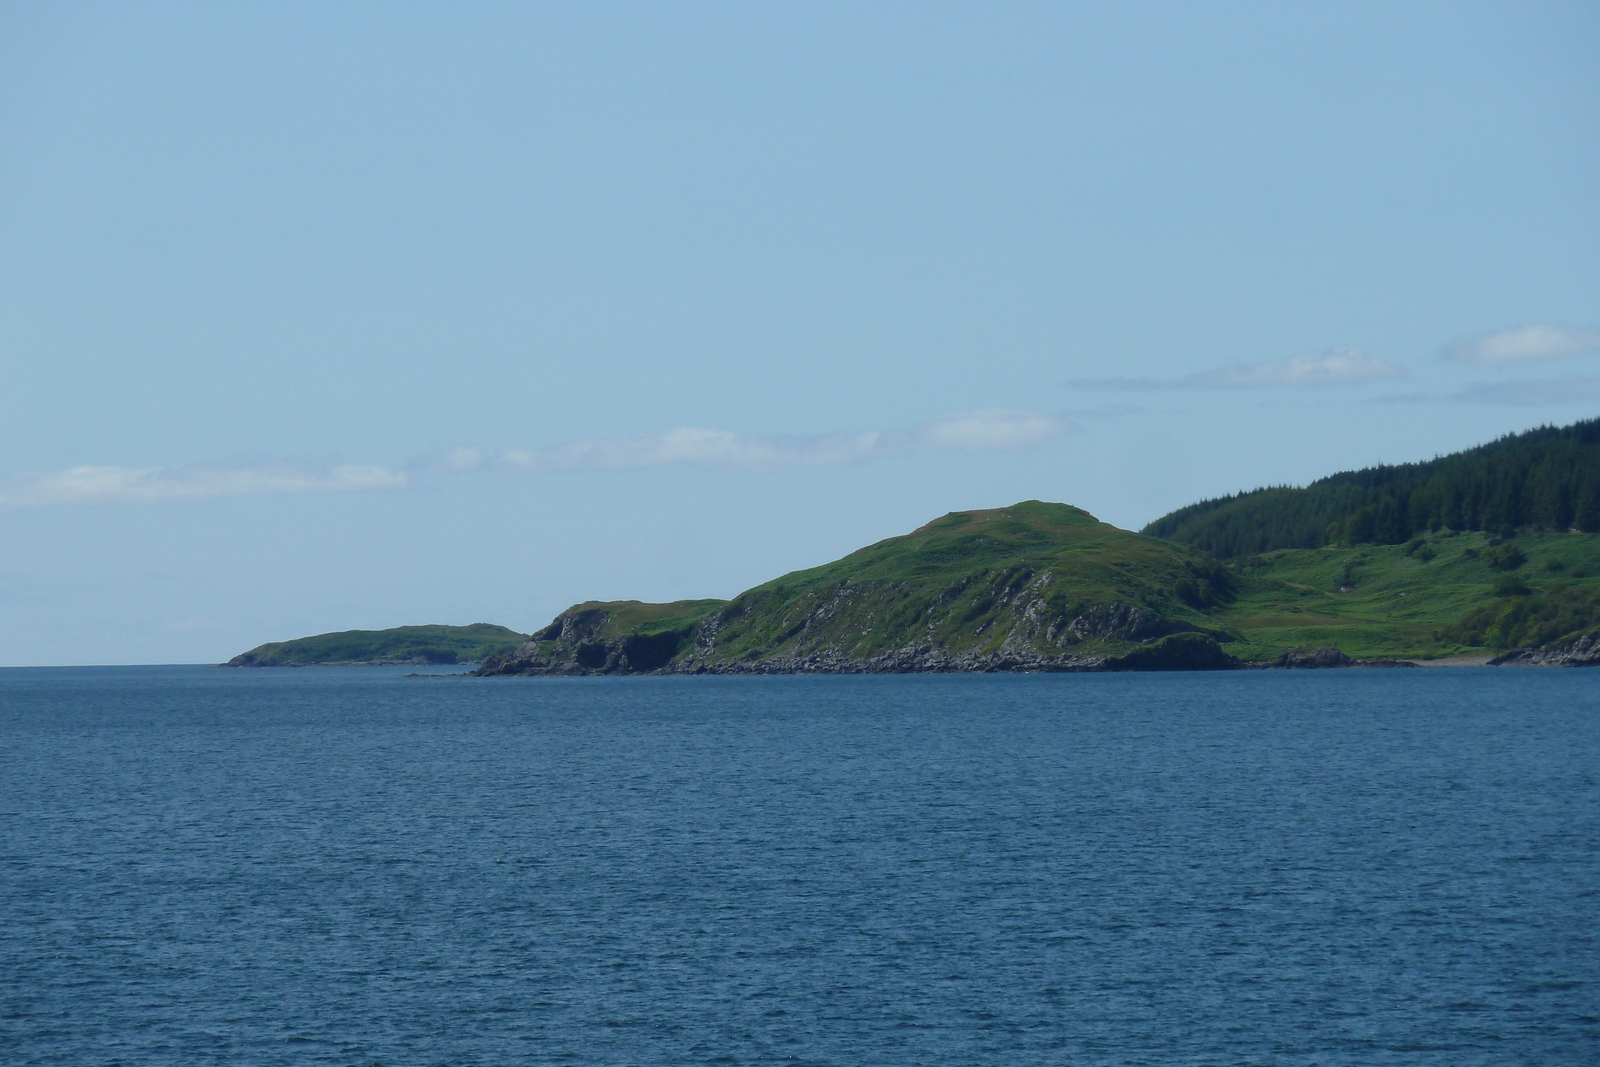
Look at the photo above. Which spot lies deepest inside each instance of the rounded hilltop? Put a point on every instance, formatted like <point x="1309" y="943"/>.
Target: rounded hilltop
<point x="1033" y="586"/>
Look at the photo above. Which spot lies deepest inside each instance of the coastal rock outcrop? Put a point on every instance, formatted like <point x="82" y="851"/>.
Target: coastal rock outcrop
<point x="1580" y="651"/>
<point x="1313" y="658"/>
<point x="1323" y="657"/>
<point x="1181" y="651"/>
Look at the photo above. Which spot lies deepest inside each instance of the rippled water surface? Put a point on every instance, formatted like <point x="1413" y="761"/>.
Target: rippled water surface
<point x="347" y="866"/>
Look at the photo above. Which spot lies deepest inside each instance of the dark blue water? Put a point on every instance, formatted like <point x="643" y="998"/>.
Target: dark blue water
<point x="351" y="867"/>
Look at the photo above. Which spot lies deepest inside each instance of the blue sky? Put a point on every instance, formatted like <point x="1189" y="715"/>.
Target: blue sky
<point x="317" y="317"/>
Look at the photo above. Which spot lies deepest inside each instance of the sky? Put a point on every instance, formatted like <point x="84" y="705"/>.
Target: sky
<point x="318" y="317"/>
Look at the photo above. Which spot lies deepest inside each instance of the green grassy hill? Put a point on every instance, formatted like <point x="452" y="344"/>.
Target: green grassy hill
<point x="971" y="582"/>
<point x="400" y="645"/>
<point x="1033" y="586"/>
<point x="1048" y="587"/>
<point x="1414" y="601"/>
<point x="1544" y="479"/>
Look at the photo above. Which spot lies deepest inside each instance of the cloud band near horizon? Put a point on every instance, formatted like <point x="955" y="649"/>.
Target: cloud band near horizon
<point x="987" y="430"/>
<point x="1533" y="342"/>
<point x="84" y="484"/>
<point x="975" y="431"/>
<point x="1336" y="366"/>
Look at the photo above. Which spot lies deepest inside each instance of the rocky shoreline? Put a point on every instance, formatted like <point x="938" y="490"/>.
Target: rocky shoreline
<point x="1177" y="652"/>
<point x="1582" y="651"/>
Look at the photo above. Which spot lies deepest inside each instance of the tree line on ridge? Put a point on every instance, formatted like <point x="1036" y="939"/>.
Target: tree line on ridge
<point x="1547" y="478"/>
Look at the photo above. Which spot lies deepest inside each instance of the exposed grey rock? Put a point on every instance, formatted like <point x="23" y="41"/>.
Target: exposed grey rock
<point x="1322" y="657"/>
<point x="1124" y="622"/>
<point x="1185" y="650"/>
<point x="1580" y="651"/>
<point x="1325" y="656"/>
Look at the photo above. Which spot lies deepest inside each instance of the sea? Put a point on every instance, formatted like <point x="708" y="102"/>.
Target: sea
<point x="352" y="866"/>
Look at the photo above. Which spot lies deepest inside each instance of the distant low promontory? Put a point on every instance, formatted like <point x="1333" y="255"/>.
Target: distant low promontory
<point x="398" y="646"/>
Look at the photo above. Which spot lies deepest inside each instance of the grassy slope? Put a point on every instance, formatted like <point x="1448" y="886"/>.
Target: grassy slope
<point x="401" y="644"/>
<point x="953" y="584"/>
<point x="636" y="616"/>
<point x="1398" y="605"/>
<point x="663" y="627"/>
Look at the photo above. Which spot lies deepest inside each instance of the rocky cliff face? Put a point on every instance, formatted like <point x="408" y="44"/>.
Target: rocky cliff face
<point x="1580" y="651"/>
<point x="575" y="644"/>
<point x="584" y="640"/>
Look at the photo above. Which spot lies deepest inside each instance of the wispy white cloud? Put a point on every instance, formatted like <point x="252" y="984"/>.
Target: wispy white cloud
<point x="1532" y="342"/>
<point x="1565" y="389"/>
<point x="1337" y="366"/>
<point x="77" y="485"/>
<point x="1334" y="367"/>
<point x="974" y="431"/>
<point x="989" y="430"/>
<point x="1526" y="392"/>
<point x="695" y="446"/>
